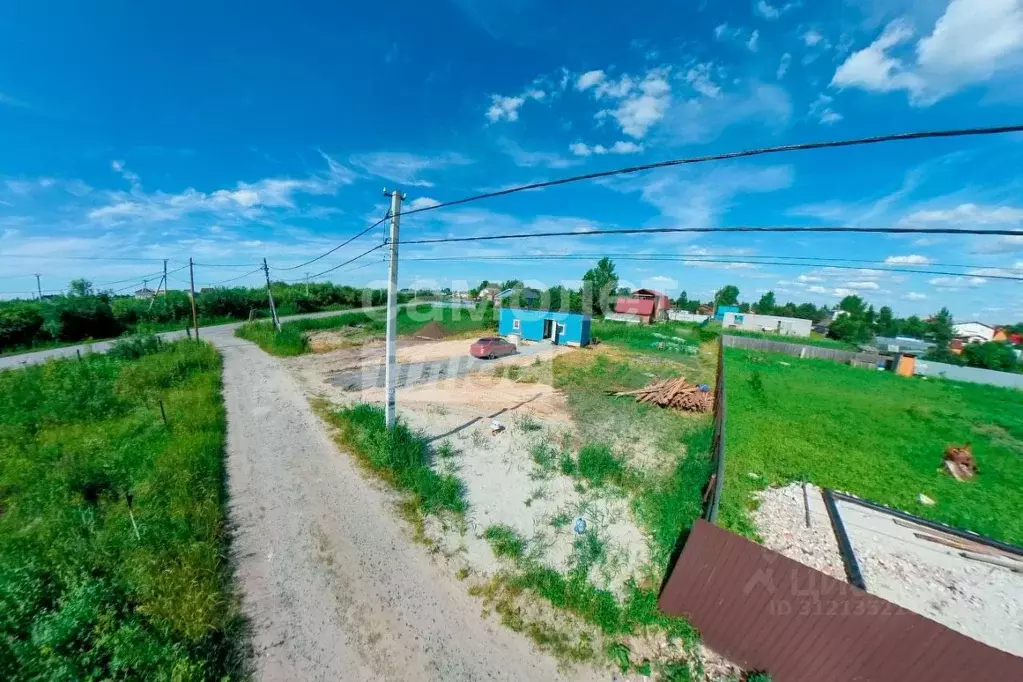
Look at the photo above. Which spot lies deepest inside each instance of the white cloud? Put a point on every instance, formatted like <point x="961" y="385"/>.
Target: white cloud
<point x="641" y="105"/>
<point x="821" y="110"/>
<point x="913" y="259"/>
<point x="783" y="66"/>
<point x="817" y="289"/>
<point x="754" y="41"/>
<point x="812" y="38"/>
<point x="915" y="296"/>
<point x="970" y="43"/>
<point x="702" y="119"/>
<point x="423" y="202"/>
<point x="589" y="79"/>
<point x="507" y="108"/>
<point x="620" y="147"/>
<point x="245" y="199"/>
<point x="405" y="168"/>
<point x="131" y="178"/>
<point x="767" y="11"/>
<point x="524" y="158"/>
<point x="699" y="78"/>
<point x="968" y="214"/>
<point x="956" y="283"/>
<point x="809" y="278"/>
<point x="870" y="286"/>
<point x="12" y="102"/>
<point x="1006" y="244"/>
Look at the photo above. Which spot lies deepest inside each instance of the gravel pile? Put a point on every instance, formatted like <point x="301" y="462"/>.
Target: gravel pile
<point x="781" y="522"/>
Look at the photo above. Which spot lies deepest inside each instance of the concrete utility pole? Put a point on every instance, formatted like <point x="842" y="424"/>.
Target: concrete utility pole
<point x="191" y="286"/>
<point x="307" y="284"/>
<point x="392" y="310"/>
<point x="270" y="296"/>
<point x="163" y="283"/>
<point x="39" y="287"/>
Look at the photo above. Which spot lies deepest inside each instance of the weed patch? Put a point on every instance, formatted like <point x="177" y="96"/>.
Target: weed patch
<point x="81" y="595"/>
<point x="505" y="541"/>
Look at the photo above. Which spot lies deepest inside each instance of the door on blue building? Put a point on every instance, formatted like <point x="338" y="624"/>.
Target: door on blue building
<point x="548" y="329"/>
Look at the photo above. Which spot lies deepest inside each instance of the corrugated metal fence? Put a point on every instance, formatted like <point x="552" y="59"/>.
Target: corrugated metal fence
<point x="767" y="612"/>
<point x="799" y="350"/>
<point x="975" y="375"/>
<point x="712" y="495"/>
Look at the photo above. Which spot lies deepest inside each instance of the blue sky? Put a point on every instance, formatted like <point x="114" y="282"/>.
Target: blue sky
<point x="230" y="132"/>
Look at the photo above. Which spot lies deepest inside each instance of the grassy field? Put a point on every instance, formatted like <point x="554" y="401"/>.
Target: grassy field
<point x="293" y="338"/>
<point x="87" y="592"/>
<point x="671" y="336"/>
<point x="874" y="434"/>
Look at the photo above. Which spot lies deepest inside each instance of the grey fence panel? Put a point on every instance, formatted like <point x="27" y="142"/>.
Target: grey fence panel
<point x="974" y="375"/>
<point x="800" y="350"/>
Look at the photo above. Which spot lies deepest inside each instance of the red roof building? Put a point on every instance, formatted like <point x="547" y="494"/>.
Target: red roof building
<point x="646" y="305"/>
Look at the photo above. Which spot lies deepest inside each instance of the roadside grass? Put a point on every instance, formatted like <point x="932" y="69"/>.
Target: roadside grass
<point x="399" y="456"/>
<point x="813" y="340"/>
<point x="293" y="340"/>
<point x="876" y="435"/>
<point x="81" y="595"/>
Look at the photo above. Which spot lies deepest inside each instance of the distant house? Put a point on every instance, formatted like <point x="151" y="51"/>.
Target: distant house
<point x="902" y="345"/>
<point x="705" y="310"/>
<point x="1016" y="339"/>
<point x="974" y="332"/>
<point x="517" y="297"/>
<point x="563" y="329"/>
<point x="488" y="293"/>
<point x="1000" y="335"/>
<point x="722" y="310"/>
<point x="785" y="326"/>
<point x="643" y="306"/>
<point x="144" y="294"/>
<point x="686" y="316"/>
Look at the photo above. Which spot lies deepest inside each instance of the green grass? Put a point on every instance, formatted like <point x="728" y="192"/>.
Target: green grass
<point x="877" y="435"/>
<point x="81" y="596"/>
<point x="292" y="339"/>
<point x="665" y="337"/>
<point x="600" y="466"/>
<point x="813" y="340"/>
<point x="505" y="541"/>
<point x="400" y="456"/>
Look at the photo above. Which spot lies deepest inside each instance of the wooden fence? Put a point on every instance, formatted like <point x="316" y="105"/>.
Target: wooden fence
<point x="767" y="612"/>
<point x="800" y="350"/>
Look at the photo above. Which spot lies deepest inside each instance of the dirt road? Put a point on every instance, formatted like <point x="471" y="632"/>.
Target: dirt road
<point x="332" y="582"/>
<point x="333" y="585"/>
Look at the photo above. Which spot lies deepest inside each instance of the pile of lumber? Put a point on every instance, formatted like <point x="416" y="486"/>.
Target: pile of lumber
<point x="675" y="393"/>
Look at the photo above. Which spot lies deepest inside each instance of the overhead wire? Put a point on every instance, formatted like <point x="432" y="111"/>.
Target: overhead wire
<point x="737" y="261"/>
<point x="350" y="260"/>
<point x="763" y="151"/>
<point x="339" y="246"/>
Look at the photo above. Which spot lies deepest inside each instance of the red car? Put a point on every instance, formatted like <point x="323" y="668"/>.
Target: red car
<point x="491" y="347"/>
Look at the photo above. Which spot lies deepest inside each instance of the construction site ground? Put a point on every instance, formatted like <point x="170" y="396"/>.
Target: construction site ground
<point x="980" y="600"/>
<point x="492" y="422"/>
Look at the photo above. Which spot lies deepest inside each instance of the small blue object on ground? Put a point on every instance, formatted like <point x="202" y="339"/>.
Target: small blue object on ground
<point x="579" y="526"/>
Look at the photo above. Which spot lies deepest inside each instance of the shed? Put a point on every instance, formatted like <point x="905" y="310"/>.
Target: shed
<point x="564" y="329"/>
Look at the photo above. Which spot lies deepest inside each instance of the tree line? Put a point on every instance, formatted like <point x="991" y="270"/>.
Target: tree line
<point x="83" y="313"/>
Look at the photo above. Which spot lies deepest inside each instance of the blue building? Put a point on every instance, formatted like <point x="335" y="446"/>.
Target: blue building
<point x="719" y="314"/>
<point x="565" y="329"/>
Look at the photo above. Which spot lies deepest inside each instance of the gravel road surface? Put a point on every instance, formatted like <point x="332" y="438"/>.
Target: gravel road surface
<point x="332" y="583"/>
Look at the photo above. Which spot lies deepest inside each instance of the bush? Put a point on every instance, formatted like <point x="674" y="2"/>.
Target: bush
<point x="20" y="324"/>
<point x="72" y="318"/>
<point x="135" y="347"/>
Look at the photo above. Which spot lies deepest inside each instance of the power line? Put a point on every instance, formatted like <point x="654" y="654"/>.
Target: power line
<point x="343" y="244"/>
<point x="699" y="259"/>
<point x="107" y="258"/>
<point x="697" y="256"/>
<point x="224" y="265"/>
<point x="350" y="260"/>
<point x="722" y="230"/>
<point x="806" y="146"/>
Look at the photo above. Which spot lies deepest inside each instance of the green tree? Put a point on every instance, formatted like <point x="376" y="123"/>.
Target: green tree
<point x="80" y="287"/>
<point x="727" y="295"/>
<point x="940" y="328"/>
<point x="767" y="304"/>
<point x="852" y="328"/>
<point x="914" y="327"/>
<point x="854" y="305"/>
<point x="599" y="285"/>
<point x="885" y="323"/>
<point x="990" y="355"/>
<point x="682" y="301"/>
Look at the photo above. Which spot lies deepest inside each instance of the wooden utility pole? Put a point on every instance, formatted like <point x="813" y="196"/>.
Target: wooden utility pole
<point x="39" y="286"/>
<point x="270" y="296"/>
<point x="163" y="283"/>
<point x="392" y="311"/>
<point x="191" y="284"/>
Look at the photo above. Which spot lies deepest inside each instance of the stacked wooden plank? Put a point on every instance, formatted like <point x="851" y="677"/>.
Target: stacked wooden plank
<point x="674" y="393"/>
